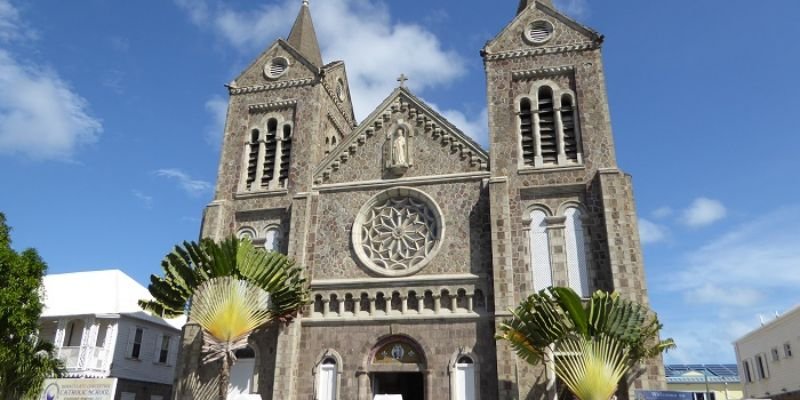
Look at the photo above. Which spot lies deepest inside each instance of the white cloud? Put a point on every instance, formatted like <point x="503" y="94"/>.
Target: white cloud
<point x="11" y="25"/>
<point x="574" y="8"/>
<point x="40" y="115"/>
<point x="475" y="125"/>
<point x="145" y="199"/>
<point x="650" y="232"/>
<point x="193" y="187"/>
<point x="218" y="108"/>
<point x="663" y="212"/>
<point x="752" y="269"/>
<point x="702" y="212"/>
<point x="376" y="48"/>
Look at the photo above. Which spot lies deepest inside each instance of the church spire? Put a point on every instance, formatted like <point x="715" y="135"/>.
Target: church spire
<point x="524" y="4"/>
<point x="303" y="37"/>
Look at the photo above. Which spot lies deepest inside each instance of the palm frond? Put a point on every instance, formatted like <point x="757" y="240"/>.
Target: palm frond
<point x="591" y="367"/>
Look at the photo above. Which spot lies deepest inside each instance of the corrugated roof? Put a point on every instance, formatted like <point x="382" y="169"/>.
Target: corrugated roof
<point x="698" y="373"/>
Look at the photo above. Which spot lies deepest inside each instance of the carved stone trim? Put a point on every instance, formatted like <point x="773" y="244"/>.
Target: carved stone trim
<point x="266" y="107"/>
<point x="337" y="102"/>
<point x="543" y="71"/>
<point x="273" y="86"/>
<point x="541" y="50"/>
<point x="378" y="184"/>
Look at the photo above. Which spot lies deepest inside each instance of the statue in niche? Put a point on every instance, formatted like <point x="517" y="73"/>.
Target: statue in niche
<point x="396" y="151"/>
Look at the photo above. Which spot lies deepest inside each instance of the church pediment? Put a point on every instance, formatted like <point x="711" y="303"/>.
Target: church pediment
<point x="280" y="63"/>
<point x="402" y="138"/>
<point x="540" y="29"/>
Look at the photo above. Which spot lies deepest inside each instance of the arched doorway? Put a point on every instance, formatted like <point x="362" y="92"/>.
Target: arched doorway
<point x="398" y="370"/>
<point x="242" y="376"/>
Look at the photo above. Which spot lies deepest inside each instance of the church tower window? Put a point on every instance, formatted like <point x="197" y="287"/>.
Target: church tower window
<point x="526" y="132"/>
<point x="540" y="251"/>
<point x="271" y="144"/>
<point x="577" y="268"/>
<point x="547" y="126"/>
<point x="252" y="157"/>
<point x="286" y="152"/>
<point x="272" y="239"/>
<point x="568" y="128"/>
<point x="549" y="134"/>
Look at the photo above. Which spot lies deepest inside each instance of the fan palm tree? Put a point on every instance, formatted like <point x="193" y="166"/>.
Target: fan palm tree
<point x="189" y="265"/>
<point x="228" y="310"/>
<point x="233" y="288"/>
<point x="605" y="327"/>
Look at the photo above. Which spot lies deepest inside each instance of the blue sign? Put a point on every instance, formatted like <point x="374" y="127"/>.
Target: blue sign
<point x="663" y="395"/>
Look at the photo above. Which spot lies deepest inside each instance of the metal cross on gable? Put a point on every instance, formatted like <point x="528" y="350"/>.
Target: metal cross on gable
<point x="402" y="79"/>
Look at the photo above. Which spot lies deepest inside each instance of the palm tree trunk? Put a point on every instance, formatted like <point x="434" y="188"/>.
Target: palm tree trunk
<point x="224" y="377"/>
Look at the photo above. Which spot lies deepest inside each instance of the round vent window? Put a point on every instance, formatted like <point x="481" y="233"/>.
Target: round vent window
<point x="276" y="67"/>
<point x="539" y="31"/>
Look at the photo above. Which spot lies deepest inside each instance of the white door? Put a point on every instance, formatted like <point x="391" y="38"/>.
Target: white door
<point x="241" y="379"/>
<point x="327" y="382"/>
<point x="465" y="381"/>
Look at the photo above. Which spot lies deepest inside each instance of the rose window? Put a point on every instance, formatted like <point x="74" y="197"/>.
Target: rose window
<point x="398" y="232"/>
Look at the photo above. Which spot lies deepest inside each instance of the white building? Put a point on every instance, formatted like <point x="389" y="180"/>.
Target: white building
<point x="98" y="329"/>
<point x="767" y="362"/>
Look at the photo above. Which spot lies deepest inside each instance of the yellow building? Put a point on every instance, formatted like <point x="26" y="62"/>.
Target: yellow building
<point x="720" y="381"/>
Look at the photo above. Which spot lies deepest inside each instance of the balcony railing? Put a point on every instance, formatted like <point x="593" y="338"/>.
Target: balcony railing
<point x="88" y="359"/>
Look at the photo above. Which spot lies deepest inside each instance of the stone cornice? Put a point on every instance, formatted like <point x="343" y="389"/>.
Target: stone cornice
<point x="272" y="86"/>
<point x="541" y="50"/>
<point x="543" y="71"/>
<point x="264" y="107"/>
<point x="422" y="180"/>
<point x="451" y="279"/>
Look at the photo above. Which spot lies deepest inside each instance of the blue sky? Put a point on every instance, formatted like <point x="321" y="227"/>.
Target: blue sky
<point x="111" y="117"/>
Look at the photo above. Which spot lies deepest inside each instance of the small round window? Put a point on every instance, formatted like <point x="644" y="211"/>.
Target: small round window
<point x="276" y="67"/>
<point x="539" y="31"/>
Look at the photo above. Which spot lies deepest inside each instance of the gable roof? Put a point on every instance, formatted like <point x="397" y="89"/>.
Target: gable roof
<point x="434" y="122"/>
<point x="548" y="8"/>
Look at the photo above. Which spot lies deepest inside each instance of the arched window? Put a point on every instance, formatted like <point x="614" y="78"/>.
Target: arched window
<point x="270" y="152"/>
<point x="548" y="141"/>
<point x="465" y="379"/>
<point x="526" y="132"/>
<point x="326" y="380"/>
<point x="74" y="333"/>
<point x="577" y="268"/>
<point x="252" y="158"/>
<point x="246" y="233"/>
<point x="286" y="152"/>
<point x="540" y="251"/>
<point x="327" y="145"/>
<point x="568" y="127"/>
<point x="272" y="239"/>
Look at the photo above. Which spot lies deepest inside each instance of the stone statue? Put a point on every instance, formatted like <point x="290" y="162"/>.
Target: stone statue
<point x="399" y="149"/>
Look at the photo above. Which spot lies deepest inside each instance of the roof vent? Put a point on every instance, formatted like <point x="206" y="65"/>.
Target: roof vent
<point x="276" y="67"/>
<point x="539" y="31"/>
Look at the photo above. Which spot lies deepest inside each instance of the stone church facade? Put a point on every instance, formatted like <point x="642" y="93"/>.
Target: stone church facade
<point x="416" y="241"/>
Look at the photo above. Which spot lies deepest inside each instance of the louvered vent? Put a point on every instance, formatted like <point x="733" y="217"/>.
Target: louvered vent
<point x="539" y="31"/>
<point x="547" y="126"/>
<point x="269" y="153"/>
<point x="526" y="132"/>
<point x="252" y="157"/>
<point x="286" y="153"/>
<point x="568" y="122"/>
<point x="276" y="67"/>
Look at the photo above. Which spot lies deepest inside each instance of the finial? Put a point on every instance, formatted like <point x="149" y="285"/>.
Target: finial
<point x="305" y="3"/>
<point x="402" y="79"/>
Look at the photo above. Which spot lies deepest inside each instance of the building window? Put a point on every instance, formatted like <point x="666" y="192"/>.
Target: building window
<point x="135" y="343"/>
<point x="246" y="233"/>
<point x="787" y="350"/>
<point x="775" y="355"/>
<point x="326" y="384"/>
<point x="540" y="251"/>
<point x="761" y="366"/>
<point x="549" y="134"/>
<point x="74" y="333"/>
<point x="465" y="379"/>
<point x="162" y="349"/>
<point x="575" y="238"/>
<point x="253" y="146"/>
<point x="272" y="239"/>
<point x="243" y="376"/>
<point x="268" y="156"/>
<point x="748" y="373"/>
<point x="127" y="396"/>
<point x="702" y="396"/>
